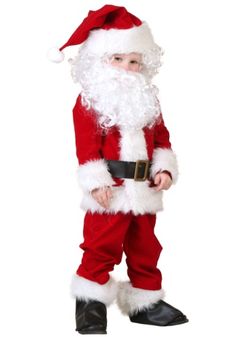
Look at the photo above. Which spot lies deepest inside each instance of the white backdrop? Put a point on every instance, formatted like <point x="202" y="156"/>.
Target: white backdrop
<point x="41" y="223"/>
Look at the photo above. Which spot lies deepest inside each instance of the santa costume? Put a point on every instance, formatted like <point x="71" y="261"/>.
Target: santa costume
<point x="122" y="143"/>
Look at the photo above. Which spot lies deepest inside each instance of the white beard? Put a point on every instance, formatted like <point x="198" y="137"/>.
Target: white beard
<point x="121" y="98"/>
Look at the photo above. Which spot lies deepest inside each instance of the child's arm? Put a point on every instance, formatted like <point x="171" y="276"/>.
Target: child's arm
<point x="93" y="172"/>
<point x="164" y="169"/>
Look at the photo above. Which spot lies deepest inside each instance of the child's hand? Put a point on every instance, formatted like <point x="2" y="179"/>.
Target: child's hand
<point x="163" y="181"/>
<point x="102" y="196"/>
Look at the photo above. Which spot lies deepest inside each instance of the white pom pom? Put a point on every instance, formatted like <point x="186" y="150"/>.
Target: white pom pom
<point x="55" y="55"/>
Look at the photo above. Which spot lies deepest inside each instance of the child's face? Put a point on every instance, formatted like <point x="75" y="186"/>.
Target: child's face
<point x="128" y="62"/>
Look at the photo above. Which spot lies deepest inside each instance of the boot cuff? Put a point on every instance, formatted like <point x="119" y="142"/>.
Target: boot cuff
<point x="86" y="290"/>
<point x="132" y="300"/>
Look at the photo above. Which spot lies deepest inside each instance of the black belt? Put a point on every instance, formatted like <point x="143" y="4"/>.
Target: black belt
<point x="139" y="170"/>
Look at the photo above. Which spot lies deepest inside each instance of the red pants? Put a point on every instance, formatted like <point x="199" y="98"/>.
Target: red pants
<point x="106" y="236"/>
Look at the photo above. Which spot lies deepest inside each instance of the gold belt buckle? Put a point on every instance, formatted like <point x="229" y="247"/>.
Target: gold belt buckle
<point x="138" y="162"/>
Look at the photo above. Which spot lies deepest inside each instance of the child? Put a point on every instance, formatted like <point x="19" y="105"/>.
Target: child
<point x="125" y="163"/>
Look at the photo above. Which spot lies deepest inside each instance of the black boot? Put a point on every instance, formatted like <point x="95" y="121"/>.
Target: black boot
<point x="161" y="314"/>
<point x="91" y="317"/>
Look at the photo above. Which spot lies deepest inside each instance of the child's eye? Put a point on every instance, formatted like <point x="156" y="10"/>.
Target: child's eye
<point x="134" y="62"/>
<point x="118" y="58"/>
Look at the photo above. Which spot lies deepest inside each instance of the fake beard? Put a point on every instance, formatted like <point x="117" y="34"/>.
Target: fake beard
<point x="121" y="98"/>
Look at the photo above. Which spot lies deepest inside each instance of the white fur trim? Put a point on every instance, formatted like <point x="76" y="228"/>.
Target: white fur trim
<point x="164" y="159"/>
<point x="131" y="300"/>
<point x="133" y="196"/>
<point x="94" y="174"/>
<point x="133" y="145"/>
<point x="137" y="39"/>
<point x="140" y="197"/>
<point x="86" y="290"/>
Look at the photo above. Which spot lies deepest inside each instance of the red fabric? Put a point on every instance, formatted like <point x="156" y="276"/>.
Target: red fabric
<point x="107" y="17"/>
<point x="93" y="144"/>
<point x="105" y="238"/>
<point x="88" y="135"/>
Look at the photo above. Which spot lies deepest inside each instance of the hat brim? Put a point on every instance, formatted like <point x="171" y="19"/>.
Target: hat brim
<point x="137" y="39"/>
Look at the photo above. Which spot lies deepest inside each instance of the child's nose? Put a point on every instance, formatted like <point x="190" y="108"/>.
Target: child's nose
<point x="126" y="66"/>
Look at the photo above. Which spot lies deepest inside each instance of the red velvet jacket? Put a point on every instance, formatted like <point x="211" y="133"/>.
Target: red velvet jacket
<point x="93" y="145"/>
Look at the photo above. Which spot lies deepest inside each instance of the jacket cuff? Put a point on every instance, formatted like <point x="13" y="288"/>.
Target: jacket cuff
<point x="164" y="160"/>
<point x="94" y="174"/>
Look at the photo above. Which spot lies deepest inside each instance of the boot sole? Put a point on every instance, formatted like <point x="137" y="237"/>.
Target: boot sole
<point x="92" y="332"/>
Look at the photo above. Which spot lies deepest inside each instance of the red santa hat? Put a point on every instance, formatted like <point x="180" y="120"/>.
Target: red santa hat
<point x="110" y="29"/>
